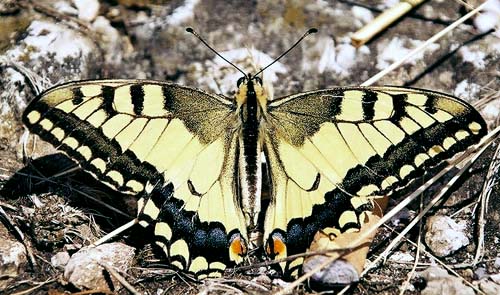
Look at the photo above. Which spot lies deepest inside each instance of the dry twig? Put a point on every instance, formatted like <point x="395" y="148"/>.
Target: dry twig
<point x="120" y="278"/>
<point x="491" y="181"/>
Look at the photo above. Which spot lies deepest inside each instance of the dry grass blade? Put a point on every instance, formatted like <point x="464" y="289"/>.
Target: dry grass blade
<point x="417" y="256"/>
<point x="444" y="265"/>
<point x="21" y="236"/>
<point x="115" y="232"/>
<point x="429" y="41"/>
<point x="36" y="82"/>
<point x="215" y="287"/>
<point x="51" y="12"/>
<point x="94" y="291"/>
<point x="120" y="279"/>
<point x="247" y="283"/>
<point x="492" y="95"/>
<point x="31" y="290"/>
<point x="491" y="181"/>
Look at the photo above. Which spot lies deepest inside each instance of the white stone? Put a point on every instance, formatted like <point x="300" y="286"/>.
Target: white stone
<point x="467" y="90"/>
<point x="475" y="57"/>
<point x="397" y="48"/>
<point x="361" y="13"/>
<point x="401" y="257"/>
<point x="444" y="236"/>
<point x="87" y="9"/>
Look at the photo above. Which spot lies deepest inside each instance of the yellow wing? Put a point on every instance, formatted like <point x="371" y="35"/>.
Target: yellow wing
<point x="330" y="151"/>
<point x="172" y="145"/>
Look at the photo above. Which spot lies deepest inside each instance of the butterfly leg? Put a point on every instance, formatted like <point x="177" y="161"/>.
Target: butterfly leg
<point x="348" y="267"/>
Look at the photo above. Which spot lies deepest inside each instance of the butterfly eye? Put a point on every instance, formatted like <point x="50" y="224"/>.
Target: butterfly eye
<point x="258" y="80"/>
<point x="240" y="80"/>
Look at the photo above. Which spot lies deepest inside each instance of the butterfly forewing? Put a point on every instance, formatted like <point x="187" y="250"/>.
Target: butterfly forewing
<point x="330" y="151"/>
<point x="172" y="145"/>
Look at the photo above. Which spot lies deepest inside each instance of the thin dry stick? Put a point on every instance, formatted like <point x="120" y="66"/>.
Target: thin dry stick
<point x="244" y="282"/>
<point x="30" y="290"/>
<point x="115" y="232"/>
<point x="388" y="216"/>
<point x="8" y="206"/>
<point x="120" y="279"/>
<point x="417" y="256"/>
<point x="94" y="291"/>
<point x="49" y="11"/>
<point x="382" y="21"/>
<point x="21" y="236"/>
<point x="491" y="180"/>
<point x="434" y="38"/>
<point x="216" y="286"/>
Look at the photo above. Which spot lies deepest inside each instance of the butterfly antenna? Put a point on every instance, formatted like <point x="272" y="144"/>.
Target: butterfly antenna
<point x="190" y="30"/>
<point x="309" y="32"/>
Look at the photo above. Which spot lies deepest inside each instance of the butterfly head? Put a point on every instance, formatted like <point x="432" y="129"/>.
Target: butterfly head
<point x="248" y="78"/>
<point x="250" y="87"/>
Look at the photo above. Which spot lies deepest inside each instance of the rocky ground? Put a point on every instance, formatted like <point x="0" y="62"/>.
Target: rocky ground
<point x="47" y="220"/>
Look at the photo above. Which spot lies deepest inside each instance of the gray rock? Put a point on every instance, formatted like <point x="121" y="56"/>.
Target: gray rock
<point x="480" y="273"/>
<point x="495" y="278"/>
<point x="60" y="259"/>
<point x="84" y="268"/>
<point x="489" y="287"/>
<point x="12" y="257"/>
<point x="49" y="53"/>
<point x="339" y="272"/>
<point x="444" y="236"/>
<point x="497" y="262"/>
<point x="439" y="282"/>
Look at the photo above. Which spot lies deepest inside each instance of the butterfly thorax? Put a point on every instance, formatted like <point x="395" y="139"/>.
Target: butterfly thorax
<point x="250" y="98"/>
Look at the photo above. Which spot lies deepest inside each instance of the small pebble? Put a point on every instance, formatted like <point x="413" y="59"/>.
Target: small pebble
<point x="60" y="259"/>
<point x="480" y="273"/>
<point x="497" y="262"/>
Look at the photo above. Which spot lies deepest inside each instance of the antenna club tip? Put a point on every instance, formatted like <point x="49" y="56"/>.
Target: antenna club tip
<point x="189" y="30"/>
<point x="312" y="31"/>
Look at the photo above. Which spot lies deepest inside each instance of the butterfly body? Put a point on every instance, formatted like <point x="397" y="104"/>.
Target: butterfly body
<point x="251" y="102"/>
<point x="194" y="158"/>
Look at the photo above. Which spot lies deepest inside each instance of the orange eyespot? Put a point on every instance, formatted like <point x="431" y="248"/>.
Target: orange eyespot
<point x="237" y="248"/>
<point x="276" y="247"/>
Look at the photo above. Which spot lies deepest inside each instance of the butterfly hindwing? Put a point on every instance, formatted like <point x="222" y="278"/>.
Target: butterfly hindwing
<point x="170" y="144"/>
<point x="330" y="151"/>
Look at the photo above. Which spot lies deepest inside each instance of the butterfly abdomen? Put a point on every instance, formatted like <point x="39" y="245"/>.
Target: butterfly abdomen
<point x="250" y="171"/>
